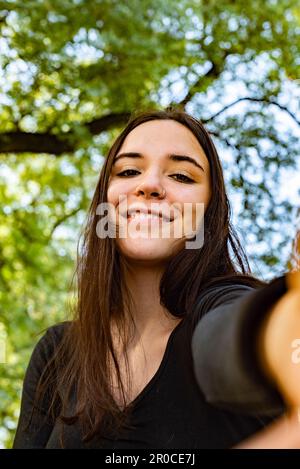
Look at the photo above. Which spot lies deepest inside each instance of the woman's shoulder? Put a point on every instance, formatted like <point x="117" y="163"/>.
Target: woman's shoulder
<point x="57" y="331"/>
<point x="225" y="291"/>
<point x="54" y="334"/>
<point x="221" y="293"/>
<point x="47" y="345"/>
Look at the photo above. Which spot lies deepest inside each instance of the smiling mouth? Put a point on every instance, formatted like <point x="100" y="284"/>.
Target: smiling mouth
<point x="141" y="217"/>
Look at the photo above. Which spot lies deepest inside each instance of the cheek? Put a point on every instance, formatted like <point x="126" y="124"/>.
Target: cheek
<point x="204" y="194"/>
<point x="110" y="194"/>
<point x="196" y="204"/>
<point x="201" y="194"/>
<point x="115" y="189"/>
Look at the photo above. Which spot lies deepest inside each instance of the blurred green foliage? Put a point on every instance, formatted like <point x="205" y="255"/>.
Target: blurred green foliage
<point x="71" y="72"/>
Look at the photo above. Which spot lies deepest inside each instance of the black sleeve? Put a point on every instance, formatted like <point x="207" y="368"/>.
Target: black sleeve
<point x="225" y="360"/>
<point x="34" y="428"/>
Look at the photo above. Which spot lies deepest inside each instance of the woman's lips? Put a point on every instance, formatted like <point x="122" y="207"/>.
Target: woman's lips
<point x="146" y="217"/>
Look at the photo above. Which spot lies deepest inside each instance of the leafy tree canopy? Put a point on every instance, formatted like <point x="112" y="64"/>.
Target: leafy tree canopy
<point x="72" y="72"/>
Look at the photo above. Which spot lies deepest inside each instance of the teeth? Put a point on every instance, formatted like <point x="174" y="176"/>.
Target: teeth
<point x="147" y="216"/>
<point x="144" y="216"/>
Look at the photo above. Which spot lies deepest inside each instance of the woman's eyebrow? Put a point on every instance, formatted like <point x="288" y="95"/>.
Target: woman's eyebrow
<point x="172" y="157"/>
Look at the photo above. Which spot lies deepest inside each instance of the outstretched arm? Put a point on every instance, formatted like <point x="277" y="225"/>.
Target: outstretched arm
<point x="279" y="343"/>
<point x="226" y="363"/>
<point x="279" y="351"/>
<point x="283" y="433"/>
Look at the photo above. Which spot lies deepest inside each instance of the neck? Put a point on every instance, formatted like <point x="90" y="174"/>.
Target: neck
<point x="151" y="318"/>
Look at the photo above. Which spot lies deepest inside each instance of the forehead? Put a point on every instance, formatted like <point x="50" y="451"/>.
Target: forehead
<point x="162" y="137"/>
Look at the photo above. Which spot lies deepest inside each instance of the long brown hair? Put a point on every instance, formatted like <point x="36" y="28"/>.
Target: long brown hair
<point x="83" y="356"/>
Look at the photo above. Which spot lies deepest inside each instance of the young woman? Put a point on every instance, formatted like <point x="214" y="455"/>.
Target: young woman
<point x="123" y="373"/>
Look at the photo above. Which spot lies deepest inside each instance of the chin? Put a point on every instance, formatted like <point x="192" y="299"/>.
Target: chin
<point x="147" y="250"/>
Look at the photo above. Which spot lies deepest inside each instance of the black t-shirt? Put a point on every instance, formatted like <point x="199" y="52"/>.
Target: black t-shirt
<point x="171" y="412"/>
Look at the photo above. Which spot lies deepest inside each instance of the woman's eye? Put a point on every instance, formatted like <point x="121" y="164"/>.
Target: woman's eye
<point x="183" y="178"/>
<point x="178" y="177"/>
<point x="123" y="173"/>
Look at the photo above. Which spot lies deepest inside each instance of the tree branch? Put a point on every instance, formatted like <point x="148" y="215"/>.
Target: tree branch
<point x="41" y="239"/>
<point x="213" y="72"/>
<point x="255" y="100"/>
<point x="224" y="139"/>
<point x="97" y="126"/>
<point x="61" y="220"/>
<point x="20" y="142"/>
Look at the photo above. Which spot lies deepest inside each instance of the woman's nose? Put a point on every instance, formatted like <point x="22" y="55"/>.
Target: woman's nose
<point x="151" y="187"/>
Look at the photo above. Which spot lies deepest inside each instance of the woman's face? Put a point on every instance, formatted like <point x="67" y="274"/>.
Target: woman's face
<point x="146" y="172"/>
